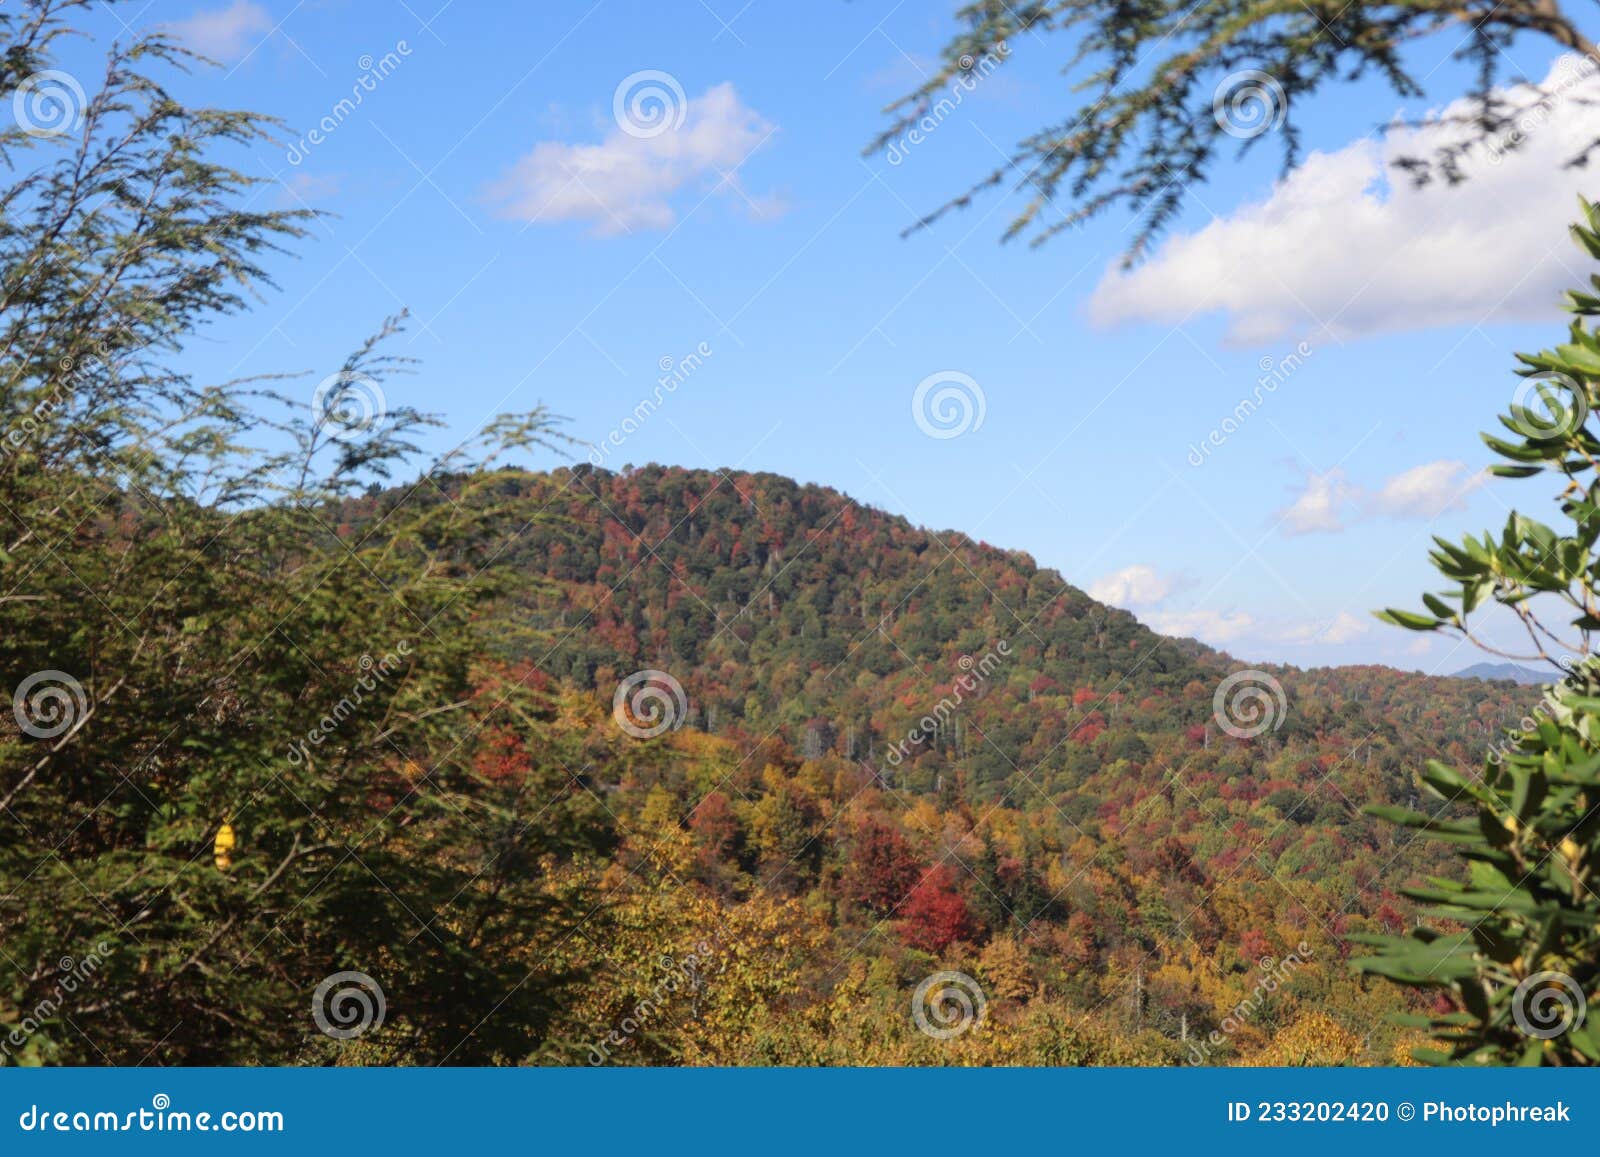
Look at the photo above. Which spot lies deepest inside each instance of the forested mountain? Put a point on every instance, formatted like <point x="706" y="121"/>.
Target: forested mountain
<point x="1505" y="672"/>
<point x="895" y="748"/>
<point x="797" y="612"/>
<point x="675" y="766"/>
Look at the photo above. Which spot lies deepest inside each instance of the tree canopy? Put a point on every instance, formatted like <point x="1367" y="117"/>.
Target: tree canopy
<point x="1171" y="87"/>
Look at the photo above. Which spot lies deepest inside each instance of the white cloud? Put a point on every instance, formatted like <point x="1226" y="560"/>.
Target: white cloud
<point x="1215" y="627"/>
<point x="226" y="33"/>
<point x="1323" y="505"/>
<point x="1347" y="246"/>
<point x="1133" y="586"/>
<point x="1425" y="491"/>
<point x="1141" y="586"/>
<point x="1342" y="628"/>
<point x="1330" y="502"/>
<point x="627" y="181"/>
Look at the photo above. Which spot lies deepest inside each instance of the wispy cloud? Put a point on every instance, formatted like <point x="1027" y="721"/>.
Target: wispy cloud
<point x="1428" y="490"/>
<point x="1218" y="628"/>
<point x="1344" y="627"/>
<point x="628" y="181"/>
<point x="1341" y="247"/>
<point x="1323" y="505"/>
<point x="225" y="33"/>
<point x="1143" y="588"/>
<point x="1329" y="502"/>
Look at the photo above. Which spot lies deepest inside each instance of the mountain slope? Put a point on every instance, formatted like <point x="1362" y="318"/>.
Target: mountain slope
<point x="931" y="752"/>
<point x="1505" y="672"/>
<point x="781" y="606"/>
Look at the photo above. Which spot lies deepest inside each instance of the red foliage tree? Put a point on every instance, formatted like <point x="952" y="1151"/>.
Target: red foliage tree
<point x="881" y="870"/>
<point x="501" y="757"/>
<point x="716" y="828"/>
<point x="1254" y="945"/>
<point x="936" y="914"/>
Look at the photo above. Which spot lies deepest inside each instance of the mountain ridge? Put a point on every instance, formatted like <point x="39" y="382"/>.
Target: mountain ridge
<point x="936" y="754"/>
<point x="772" y="600"/>
<point x="1506" y="673"/>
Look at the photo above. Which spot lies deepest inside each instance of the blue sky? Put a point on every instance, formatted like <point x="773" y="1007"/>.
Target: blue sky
<point x="754" y="231"/>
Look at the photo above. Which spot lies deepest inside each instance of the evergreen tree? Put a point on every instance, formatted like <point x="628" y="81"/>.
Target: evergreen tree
<point x="1520" y="953"/>
<point x="248" y="772"/>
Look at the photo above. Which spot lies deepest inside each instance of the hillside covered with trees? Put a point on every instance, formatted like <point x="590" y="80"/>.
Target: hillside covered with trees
<point x="925" y="750"/>
<point x="670" y="766"/>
